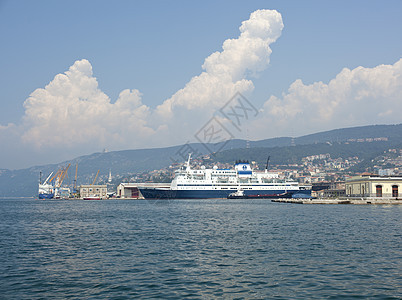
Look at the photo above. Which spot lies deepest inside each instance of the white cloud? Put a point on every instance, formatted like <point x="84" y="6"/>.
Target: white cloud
<point x="72" y="113"/>
<point x="355" y="97"/>
<point x="226" y="72"/>
<point x="71" y="110"/>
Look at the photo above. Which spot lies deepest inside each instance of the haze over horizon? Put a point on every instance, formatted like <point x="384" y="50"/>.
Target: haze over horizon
<point x="159" y="77"/>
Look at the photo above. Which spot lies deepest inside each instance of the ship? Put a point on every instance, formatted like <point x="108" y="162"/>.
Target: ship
<point x="51" y="188"/>
<point x="189" y="183"/>
<point x="46" y="190"/>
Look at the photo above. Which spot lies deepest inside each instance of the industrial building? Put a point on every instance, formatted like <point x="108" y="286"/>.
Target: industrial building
<point x="374" y="186"/>
<point x="90" y="190"/>
<point x="131" y="191"/>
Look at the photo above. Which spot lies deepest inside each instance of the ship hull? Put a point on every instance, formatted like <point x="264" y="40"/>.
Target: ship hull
<point x="155" y="193"/>
<point x="46" y="196"/>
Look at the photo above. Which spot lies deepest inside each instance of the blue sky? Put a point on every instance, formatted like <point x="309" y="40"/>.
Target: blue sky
<point x="157" y="47"/>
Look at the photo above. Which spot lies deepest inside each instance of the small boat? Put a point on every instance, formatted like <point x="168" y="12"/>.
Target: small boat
<point x="239" y="194"/>
<point x="92" y="198"/>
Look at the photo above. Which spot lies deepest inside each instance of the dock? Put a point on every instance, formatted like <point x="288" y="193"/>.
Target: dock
<point x="355" y="201"/>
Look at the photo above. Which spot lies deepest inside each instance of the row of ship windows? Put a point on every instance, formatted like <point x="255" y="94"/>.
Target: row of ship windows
<point x="195" y="185"/>
<point x="234" y="188"/>
<point x="213" y="172"/>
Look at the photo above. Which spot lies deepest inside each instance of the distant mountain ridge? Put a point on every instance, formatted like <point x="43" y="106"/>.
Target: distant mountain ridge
<point x="24" y="182"/>
<point x="336" y="135"/>
<point x="362" y="132"/>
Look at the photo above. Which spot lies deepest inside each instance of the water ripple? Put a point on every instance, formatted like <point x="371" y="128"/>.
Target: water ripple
<point x="198" y="250"/>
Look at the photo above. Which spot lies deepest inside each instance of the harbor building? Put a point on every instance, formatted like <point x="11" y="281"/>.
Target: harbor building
<point x="93" y="191"/>
<point x="131" y="191"/>
<point x="374" y="186"/>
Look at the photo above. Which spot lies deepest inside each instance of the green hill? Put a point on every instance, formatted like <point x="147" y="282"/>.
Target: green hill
<point x="283" y="151"/>
<point x="294" y="154"/>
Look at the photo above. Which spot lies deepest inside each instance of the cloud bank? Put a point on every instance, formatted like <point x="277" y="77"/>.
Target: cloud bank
<point x="362" y="96"/>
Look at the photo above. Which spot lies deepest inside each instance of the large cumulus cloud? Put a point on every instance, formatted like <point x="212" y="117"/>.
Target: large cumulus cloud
<point x="361" y="96"/>
<point x="228" y="71"/>
<point x="72" y="110"/>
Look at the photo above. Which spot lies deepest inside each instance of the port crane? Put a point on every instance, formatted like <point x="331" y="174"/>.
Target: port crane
<point x="75" y="180"/>
<point x="63" y="175"/>
<point x="59" y="176"/>
<point x="96" y="176"/>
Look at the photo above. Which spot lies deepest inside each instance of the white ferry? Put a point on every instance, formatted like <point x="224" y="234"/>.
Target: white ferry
<point x="205" y="183"/>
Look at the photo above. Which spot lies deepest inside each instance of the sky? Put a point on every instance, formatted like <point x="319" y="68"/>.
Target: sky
<point x="78" y="77"/>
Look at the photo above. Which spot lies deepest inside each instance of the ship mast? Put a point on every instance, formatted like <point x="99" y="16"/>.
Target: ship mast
<point x="266" y="166"/>
<point x="188" y="162"/>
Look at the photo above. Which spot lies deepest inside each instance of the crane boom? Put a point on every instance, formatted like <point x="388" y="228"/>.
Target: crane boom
<point x="47" y="178"/>
<point x="75" y="180"/>
<point x="63" y="174"/>
<point x="96" y="176"/>
<point x="55" y="175"/>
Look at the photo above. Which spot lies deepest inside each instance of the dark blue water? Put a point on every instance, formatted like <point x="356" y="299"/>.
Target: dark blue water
<point x="198" y="249"/>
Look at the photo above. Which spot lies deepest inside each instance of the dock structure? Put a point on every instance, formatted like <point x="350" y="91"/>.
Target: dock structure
<point x="360" y="201"/>
<point x="362" y="189"/>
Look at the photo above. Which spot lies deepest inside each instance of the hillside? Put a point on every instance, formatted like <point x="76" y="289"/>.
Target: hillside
<point x="282" y="150"/>
<point x="294" y="154"/>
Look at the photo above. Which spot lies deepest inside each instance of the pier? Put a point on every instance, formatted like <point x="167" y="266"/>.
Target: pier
<point x="360" y="201"/>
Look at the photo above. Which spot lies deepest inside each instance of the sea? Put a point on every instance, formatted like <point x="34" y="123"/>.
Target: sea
<point x="198" y="249"/>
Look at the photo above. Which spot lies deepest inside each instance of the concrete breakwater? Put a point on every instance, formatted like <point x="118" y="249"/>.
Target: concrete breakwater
<point x="340" y="201"/>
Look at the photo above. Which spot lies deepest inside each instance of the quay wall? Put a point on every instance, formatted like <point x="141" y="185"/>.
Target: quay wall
<point x="358" y="201"/>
